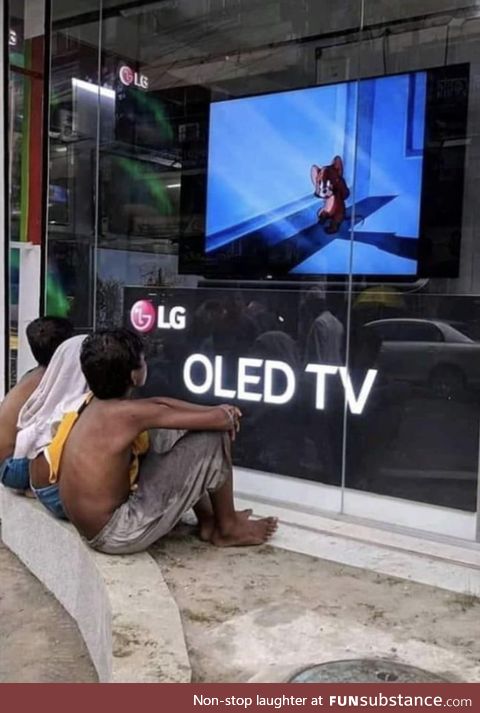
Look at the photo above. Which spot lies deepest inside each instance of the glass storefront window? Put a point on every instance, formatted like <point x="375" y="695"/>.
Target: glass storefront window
<point x="76" y="102"/>
<point x="281" y="197"/>
<point x="419" y="438"/>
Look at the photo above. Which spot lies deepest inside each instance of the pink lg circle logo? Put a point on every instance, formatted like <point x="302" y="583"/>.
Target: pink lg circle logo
<point x="142" y="316"/>
<point x="126" y="75"/>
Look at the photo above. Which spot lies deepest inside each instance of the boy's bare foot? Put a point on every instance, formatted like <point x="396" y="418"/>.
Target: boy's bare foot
<point x="244" y="532"/>
<point x="206" y="525"/>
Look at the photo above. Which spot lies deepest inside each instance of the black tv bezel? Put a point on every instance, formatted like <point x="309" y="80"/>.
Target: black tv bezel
<point x="219" y="274"/>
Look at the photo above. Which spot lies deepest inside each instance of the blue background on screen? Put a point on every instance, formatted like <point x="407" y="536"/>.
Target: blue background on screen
<point x="261" y="150"/>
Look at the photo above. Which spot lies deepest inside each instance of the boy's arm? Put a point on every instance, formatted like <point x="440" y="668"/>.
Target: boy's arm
<point x="179" y="405"/>
<point x="149" y="414"/>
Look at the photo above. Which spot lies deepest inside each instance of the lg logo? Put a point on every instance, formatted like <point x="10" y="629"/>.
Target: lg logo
<point x="144" y="317"/>
<point x="129" y="77"/>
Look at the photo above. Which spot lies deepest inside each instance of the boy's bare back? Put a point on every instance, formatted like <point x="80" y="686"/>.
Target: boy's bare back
<point x="95" y="464"/>
<point x="94" y="473"/>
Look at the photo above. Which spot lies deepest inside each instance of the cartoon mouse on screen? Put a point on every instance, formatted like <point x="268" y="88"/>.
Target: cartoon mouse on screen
<point x="330" y="186"/>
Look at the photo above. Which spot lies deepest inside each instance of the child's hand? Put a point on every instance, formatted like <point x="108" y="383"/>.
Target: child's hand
<point x="237" y="413"/>
<point x="234" y="414"/>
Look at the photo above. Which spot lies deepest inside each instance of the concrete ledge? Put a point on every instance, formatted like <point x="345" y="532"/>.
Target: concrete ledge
<point x="125" y="613"/>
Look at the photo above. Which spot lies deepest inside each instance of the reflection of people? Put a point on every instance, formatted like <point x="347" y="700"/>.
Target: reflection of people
<point x="210" y="313"/>
<point x="264" y="320"/>
<point x="231" y="329"/>
<point x="323" y="332"/>
<point x="231" y="333"/>
<point x="271" y="434"/>
<point x="321" y="337"/>
<point x="277" y="345"/>
<point x="44" y="335"/>
<point x="97" y="461"/>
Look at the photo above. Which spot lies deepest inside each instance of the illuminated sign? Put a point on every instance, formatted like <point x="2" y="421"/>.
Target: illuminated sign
<point x="12" y="38"/>
<point x="144" y="317"/>
<point x="255" y="379"/>
<point x="129" y="77"/>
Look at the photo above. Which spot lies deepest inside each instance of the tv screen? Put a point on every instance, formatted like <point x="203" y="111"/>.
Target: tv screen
<point x="293" y="176"/>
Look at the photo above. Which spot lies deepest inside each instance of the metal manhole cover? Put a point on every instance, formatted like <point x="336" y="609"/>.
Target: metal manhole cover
<point x="365" y="671"/>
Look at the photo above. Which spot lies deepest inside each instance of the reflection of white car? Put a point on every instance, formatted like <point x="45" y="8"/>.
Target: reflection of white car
<point x="427" y="352"/>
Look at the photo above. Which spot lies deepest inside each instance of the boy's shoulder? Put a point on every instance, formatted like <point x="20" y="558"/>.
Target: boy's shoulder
<point x="27" y="384"/>
<point x="33" y="375"/>
<point x="19" y="394"/>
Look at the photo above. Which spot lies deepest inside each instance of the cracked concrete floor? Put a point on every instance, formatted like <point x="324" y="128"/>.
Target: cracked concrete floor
<point x="39" y="642"/>
<point x="260" y="612"/>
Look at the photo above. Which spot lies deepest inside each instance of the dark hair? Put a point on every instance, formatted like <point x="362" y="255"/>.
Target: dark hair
<point x="45" y="334"/>
<point x="108" y="358"/>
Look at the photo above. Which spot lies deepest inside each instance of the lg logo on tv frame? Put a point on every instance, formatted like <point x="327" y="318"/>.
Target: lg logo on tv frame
<point x="129" y="77"/>
<point x="145" y="317"/>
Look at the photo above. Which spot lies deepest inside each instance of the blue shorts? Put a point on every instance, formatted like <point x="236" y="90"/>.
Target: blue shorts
<point x="14" y="473"/>
<point x="50" y="498"/>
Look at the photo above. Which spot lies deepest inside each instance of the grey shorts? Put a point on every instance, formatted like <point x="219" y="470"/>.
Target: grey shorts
<point x="179" y="469"/>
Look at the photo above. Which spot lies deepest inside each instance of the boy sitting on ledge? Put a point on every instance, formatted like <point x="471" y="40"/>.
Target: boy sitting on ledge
<point x="44" y="335"/>
<point x="97" y="455"/>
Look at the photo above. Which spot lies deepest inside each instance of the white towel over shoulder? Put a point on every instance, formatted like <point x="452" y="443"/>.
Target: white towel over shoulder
<point x="62" y="389"/>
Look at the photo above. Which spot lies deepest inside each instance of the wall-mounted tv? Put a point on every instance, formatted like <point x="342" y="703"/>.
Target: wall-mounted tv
<point x="293" y="176"/>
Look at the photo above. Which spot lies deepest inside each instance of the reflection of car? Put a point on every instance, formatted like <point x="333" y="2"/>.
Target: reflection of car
<point x="427" y="352"/>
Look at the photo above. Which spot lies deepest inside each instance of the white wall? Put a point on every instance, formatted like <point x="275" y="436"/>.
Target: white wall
<point x="28" y="301"/>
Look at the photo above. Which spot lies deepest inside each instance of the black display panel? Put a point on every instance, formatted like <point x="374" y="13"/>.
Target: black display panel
<point x="410" y="388"/>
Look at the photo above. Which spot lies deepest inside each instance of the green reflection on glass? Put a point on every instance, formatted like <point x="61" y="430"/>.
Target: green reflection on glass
<point x="156" y="108"/>
<point x="136" y="172"/>
<point x="56" y="300"/>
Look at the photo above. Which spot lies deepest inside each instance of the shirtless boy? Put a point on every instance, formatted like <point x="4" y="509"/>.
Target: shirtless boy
<point x="44" y="336"/>
<point x="95" y="459"/>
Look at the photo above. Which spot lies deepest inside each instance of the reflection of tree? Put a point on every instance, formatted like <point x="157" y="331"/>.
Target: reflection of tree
<point x="109" y="303"/>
